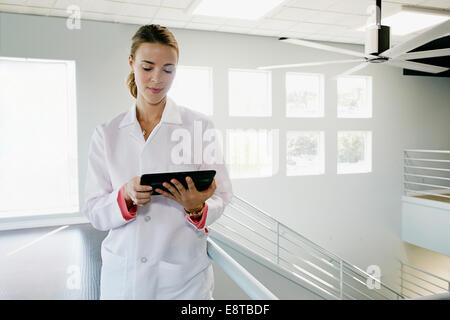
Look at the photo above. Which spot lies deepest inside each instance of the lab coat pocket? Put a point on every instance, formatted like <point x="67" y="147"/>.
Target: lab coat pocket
<point x="177" y="280"/>
<point x="113" y="274"/>
<point x="171" y="274"/>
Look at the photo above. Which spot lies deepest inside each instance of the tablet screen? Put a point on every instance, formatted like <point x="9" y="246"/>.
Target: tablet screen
<point x="202" y="179"/>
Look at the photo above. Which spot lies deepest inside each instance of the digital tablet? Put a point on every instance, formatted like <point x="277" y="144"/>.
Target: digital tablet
<point x="202" y="179"/>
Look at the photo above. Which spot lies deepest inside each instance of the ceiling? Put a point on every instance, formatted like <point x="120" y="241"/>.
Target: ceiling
<point x="324" y="20"/>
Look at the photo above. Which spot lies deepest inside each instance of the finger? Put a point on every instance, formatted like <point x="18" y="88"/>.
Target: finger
<point x="142" y="188"/>
<point x="191" y="185"/>
<point x="172" y="190"/>
<point x="166" y="194"/>
<point x="178" y="185"/>
<point x="212" y="187"/>
<point x="142" y="195"/>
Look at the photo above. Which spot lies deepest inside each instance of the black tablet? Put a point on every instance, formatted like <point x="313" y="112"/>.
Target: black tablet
<point x="202" y="179"/>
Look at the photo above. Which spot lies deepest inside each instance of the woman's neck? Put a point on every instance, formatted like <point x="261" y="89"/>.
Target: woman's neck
<point x="148" y="112"/>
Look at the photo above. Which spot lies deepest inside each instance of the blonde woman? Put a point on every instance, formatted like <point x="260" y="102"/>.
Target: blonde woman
<point x="156" y="245"/>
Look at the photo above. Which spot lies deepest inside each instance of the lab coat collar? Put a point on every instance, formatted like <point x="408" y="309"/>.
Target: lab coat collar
<point x="171" y="114"/>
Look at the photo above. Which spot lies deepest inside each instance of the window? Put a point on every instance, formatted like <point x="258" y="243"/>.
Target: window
<point x="38" y="138"/>
<point x="250" y="93"/>
<point x="354" y="97"/>
<point x="354" y="152"/>
<point x="192" y="87"/>
<point x="305" y="153"/>
<point x="250" y="153"/>
<point x="304" y="95"/>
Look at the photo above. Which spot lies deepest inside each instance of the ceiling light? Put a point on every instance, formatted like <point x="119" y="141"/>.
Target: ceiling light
<point x="411" y="19"/>
<point x="240" y="9"/>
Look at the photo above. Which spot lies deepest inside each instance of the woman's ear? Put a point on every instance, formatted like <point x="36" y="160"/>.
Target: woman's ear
<point x="130" y="62"/>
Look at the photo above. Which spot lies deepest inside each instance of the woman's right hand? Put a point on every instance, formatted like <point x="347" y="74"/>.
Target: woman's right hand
<point x="137" y="194"/>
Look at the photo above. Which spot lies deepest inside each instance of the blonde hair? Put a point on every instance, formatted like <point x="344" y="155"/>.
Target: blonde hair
<point x="151" y="33"/>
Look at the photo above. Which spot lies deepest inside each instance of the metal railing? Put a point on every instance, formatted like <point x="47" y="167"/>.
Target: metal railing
<point x="426" y="174"/>
<point x="247" y="282"/>
<point x="416" y="282"/>
<point x="305" y="260"/>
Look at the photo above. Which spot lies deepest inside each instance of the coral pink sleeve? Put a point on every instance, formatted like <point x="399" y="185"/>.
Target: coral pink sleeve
<point x="127" y="214"/>
<point x="199" y="222"/>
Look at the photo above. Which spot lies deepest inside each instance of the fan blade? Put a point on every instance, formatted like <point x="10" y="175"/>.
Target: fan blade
<point x="416" y="66"/>
<point x="308" y="64"/>
<point x="322" y="47"/>
<point x="354" y="69"/>
<point x="425" y="54"/>
<point x="436" y="32"/>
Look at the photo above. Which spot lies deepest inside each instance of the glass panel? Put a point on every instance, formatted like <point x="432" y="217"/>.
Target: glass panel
<point x="251" y="152"/>
<point x="250" y="93"/>
<point x="354" y="97"/>
<point x="192" y="88"/>
<point x="305" y="153"/>
<point x="38" y="148"/>
<point x="354" y="151"/>
<point x="304" y="95"/>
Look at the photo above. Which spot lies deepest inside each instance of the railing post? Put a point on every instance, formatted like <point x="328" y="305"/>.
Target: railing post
<point x="401" y="278"/>
<point x="278" y="242"/>
<point x="341" y="280"/>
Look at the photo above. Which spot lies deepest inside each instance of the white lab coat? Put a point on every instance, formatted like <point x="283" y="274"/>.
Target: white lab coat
<point x="160" y="254"/>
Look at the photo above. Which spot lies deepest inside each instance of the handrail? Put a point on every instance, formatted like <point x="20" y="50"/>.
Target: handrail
<point x="307" y="245"/>
<point x="320" y="249"/>
<point x="245" y="280"/>
<point x="428" y="151"/>
<point x="426" y="272"/>
<point x="427" y="193"/>
<point x="439" y="296"/>
<point x="414" y="276"/>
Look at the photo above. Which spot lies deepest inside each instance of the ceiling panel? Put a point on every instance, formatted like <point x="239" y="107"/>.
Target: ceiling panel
<point x="307" y="4"/>
<point x="331" y="20"/>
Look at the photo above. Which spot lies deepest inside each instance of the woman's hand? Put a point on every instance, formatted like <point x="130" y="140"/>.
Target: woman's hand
<point x="137" y="194"/>
<point x="189" y="198"/>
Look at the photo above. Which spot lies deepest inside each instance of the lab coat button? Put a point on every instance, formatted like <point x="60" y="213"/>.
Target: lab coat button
<point x="143" y="259"/>
<point x="148" y="218"/>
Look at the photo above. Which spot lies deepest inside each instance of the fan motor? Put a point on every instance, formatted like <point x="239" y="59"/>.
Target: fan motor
<point x="377" y="40"/>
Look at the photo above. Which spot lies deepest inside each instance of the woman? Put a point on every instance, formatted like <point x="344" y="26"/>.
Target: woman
<point x="156" y="245"/>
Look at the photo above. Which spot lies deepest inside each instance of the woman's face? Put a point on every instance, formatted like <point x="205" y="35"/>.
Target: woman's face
<point x="154" y="69"/>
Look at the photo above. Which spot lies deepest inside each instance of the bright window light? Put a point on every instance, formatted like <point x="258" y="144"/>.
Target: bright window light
<point x="305" y="153"/>
<point x="188" y="81"/>
<point x="410" y="19"/>
<point x="405" y="22"/>
<point x="249" y="93"/>
<point x="304" y="95"/>
<point x="354" y="152"/>
<point x="354" y="95"/>
<point x="247" y="9"/>
<point x="38" y="138"/>
<point x="252" y="153"/>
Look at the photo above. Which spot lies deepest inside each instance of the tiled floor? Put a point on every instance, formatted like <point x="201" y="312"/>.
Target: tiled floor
<point x="50" y="263"/>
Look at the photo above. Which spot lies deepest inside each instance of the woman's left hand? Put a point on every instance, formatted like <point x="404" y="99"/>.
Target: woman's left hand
<point x="189" y="198"/>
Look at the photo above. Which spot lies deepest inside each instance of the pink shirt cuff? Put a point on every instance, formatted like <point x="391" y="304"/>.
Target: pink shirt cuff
<point x="127" y="215"/>
<point x="199" y="222"/>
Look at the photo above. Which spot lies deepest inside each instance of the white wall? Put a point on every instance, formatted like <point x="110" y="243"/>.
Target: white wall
<point x="357" y="216"/>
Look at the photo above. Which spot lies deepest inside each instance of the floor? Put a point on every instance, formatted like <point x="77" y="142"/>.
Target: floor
<point x="51" y="263"/>
<point x="437" y="198"/>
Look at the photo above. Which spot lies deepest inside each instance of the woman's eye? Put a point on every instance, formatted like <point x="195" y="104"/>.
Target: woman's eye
<point x="148" y="69"/>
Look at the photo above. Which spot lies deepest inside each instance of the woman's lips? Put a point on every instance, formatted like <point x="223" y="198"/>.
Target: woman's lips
<point x="155" y="90"/>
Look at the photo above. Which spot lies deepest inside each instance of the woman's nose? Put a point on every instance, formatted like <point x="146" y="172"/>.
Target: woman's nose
<point x="156" y="77"/>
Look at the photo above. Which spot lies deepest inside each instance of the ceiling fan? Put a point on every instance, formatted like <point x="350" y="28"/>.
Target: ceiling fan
<point x="377" y="49"/>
